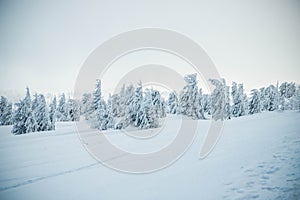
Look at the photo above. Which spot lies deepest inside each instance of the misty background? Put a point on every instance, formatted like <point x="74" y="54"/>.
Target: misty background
<point x="44" y="43"/>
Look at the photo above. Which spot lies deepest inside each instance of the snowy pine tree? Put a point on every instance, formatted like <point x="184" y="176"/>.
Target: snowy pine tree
<point x="116" y="108"/>
<point x="19" y="119"/>
<point x="73" y="110"/>
<point x="34" y="107"/>
<point x="101" y="115"/>
<point x="87" y="105"/>
<point x="42" y="115"/>
<point x="254" y="104"/>
<point x="97" y="95"/>
<point x="242" y="100"/>
<point x="23" y="119"/>
<point x="290" y="90"/>
<point x="227" y="108"/>
<point x="235" y="100"/>
<point x="3" y="105"/>
<point x="188" y="96"/>
<point x="207" y="103"/>
<point x="271" y="98"/>
<point x="109" y="113"/>
<point x="295" y="99"/>
<point x="30" y="122"/>
<point x="239" y="100"/>
<point x="163" y="108"/>
<point x="5" y="111"/>
<point x="157" y="102"/>
<point x="218" y="100"/>
<point x="285" y="92"/>
<point x="52" y="114"/>
<point x="263" y="99"/>
<point x="7" y="115"/>
<point x="198" y="109"/>
<point x="148" y="118"/>
<point x="122" y="102"/>
<point x="245" y="104"/>
<point x="135" y="105"/>
<point x="127" y="96"/>
<point x="173" y="103"/>
<point x="35" y="102"/>
<point x="62" y="110"/>
<point x="131" y="98"/>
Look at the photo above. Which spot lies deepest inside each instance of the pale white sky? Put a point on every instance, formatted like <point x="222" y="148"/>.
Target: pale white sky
<point x="44" y="43"/>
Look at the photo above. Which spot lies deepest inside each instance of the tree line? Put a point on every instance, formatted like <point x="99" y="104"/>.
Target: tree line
<point x="34" y="114"/>
<point x="143" y="108"/>
<point x="134" y="106"/>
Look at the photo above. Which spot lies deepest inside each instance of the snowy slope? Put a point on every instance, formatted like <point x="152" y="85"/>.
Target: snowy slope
<point x="257" y="157"/>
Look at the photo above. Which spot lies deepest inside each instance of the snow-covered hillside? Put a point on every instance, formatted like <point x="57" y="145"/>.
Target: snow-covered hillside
<point x="257" y="157"/>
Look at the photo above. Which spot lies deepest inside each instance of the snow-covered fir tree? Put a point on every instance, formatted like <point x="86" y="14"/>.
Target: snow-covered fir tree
<point x="62" y="109"/>
<point x="52" y="114"/>
<point x="126" y="95"/>
<point x="5" y="111"/>
<point x="236" y="100"/>
<point x="227" y="108"/>
<point x="35" y="102"/>
<point x="188" y="97"/>
<point x="103" y="119"/>
<point x="158" y="104"/>
<point x="97" y="95"/>
<point x="198" y="110"/>
<point x="286" y="92"/>
<point x="295" y="99"/>
<point x="290" y="90"/>
<point x="101" y="115"/>
<point x="173" y="103"/>
<point x="262" y="97"/>
<point x="110" y="121"/>
<point x="218" y="100"/>
<point x="87" y="105"/>
<point x="206" y="103"/>
<point x="34" y="107"/>
<point x="30" y="122"/>
<point x="148" y="118"/>
<point x="42" y="115"/>
<point x="282" y="102"/>
<point x="254" y="103"/>
<point x="23" y="119"/>
<point x="19" y="120"/>
<point x="97" y="114"/>
<point x="271" y="98"/>
<point x="116" y="108"/>
<point x="243" y="99"/>
<point x="239" y="100"/>
<point x="7" y="114"/>
<point x="164" y="108"/>
<point x="132" y="98"/>
<point x="3" y="104"/>
<point x="245" y="104"/>
<point x="135" y="105"/>
<point x="73" y="110"/>
<point x="122" y="101"/>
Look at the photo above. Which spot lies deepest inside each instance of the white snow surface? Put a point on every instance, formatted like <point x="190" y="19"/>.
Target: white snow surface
<point x="257" y="157"/>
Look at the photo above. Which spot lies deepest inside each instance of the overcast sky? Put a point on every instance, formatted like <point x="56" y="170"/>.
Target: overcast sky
<point x="44" y="43"/>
